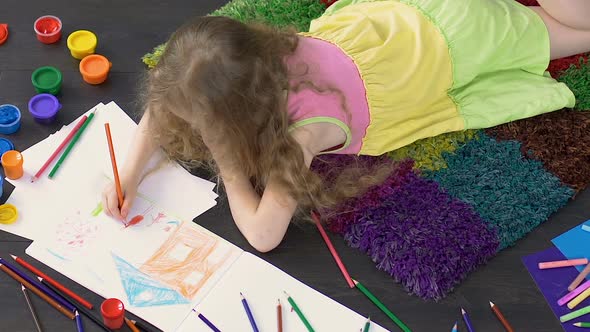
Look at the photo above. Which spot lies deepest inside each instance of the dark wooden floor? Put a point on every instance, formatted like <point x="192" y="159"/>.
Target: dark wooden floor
<point x="126" y="30"/>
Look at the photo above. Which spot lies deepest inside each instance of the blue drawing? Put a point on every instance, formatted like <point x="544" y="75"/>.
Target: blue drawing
<point x="57" y="255"/>
<point x="174" y="222"/>
<point x="143" y="291"/>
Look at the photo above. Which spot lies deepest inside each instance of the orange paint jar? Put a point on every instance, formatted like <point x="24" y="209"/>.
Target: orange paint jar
<point x="95" y="69"/>
<point x="12" y="162"/>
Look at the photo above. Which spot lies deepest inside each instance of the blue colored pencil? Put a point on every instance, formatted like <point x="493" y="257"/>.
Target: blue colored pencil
<point x="206" y="321"/>
<point x="249" y="313"/>
<point x="467" y="320"/>
<point x="79" y="322"/>
<point x="455" y="328"/>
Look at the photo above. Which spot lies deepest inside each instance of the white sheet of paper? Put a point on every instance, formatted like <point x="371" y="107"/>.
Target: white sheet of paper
<point x="262" y="285"/>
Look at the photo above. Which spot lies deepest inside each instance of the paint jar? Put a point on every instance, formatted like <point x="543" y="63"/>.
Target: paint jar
<point x="44" y="108"/>
<point x="5" y="145"/>
<point x="3" y="32"/>
<point x="95" y="69"/>
<point x="12" y="162"/>
<point x="113" y="313"/>
<point x="8" y="212"/>
<point x="9" y="119"/>
<point x="47" y="80"/>
<point x="48" y="29"/>
<point x="82" y="43"/>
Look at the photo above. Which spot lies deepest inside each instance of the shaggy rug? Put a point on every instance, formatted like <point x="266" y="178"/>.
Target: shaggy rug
<point x="455" y="200"/>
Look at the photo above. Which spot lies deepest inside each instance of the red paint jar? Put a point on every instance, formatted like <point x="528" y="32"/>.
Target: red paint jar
<point x="48" y="29"/>
<point x="113" y="313"/>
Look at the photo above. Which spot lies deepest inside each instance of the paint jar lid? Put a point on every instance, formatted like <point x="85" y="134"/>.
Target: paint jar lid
<point x="3" y="33"/>
<point x="8" y="214"/>
<point x="5" y="145"/>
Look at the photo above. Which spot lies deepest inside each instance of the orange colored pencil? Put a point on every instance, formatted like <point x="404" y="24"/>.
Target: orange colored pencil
<point x="131" y="325"/>
<point x="107" y="129"/>
<point x="36" y="290"/>
<point x="501" y="317"/>
<point x="333" y="251"/>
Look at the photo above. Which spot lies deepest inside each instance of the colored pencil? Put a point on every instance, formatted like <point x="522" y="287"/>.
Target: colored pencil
<point x="107" y="129"/>
<point x="586" y="228"/>
<point x="145" y="326"/>
<point x="50" y="280"/>
<point x="132" y="326"/>
<point x="578" y="299"/>
<point x="79" y="325"/>
<point x="579" y="278"/>
<point x="467" y="320"/>
<point x="249" y="313"/>
<point x="71" y="146"/>
<point x="575" y="314"/>
<point x="367" y="325"/>
<point x="564" y="263"/>
<point x="279" y="316"/>
<point x="567" y="297"/>
<point x="206" y="321"/>
<point x="381" y="306"/>
<point x="501" y="317"/>
<point x="299" y="312"/>
<point x="455" y="329"/>
<point x="59" y="148"/>
<point x="333" y="251"/>
<point x="39" y="285"/>
<point x="582" y="324"/>
<point x="36" y="290"/>
<point x="31" y="308"/>
<point x="80" y="309"/>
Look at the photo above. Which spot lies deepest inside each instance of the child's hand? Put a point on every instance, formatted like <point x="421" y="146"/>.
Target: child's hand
<point x="110" y="201"/>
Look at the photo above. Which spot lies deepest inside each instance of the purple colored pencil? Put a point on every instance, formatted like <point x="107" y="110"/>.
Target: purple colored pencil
<point x="40" y="286"/>
<point x="249" y="313"/>
<point x="569" y="296"/>
<point x="206" y="321"/>
<point x="467" y="320"/>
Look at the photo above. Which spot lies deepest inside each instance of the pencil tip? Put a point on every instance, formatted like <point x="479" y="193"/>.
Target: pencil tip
<point x="455" y="326"/>
<point x="491" y="304"/>
<point x="40" y="279"/>
<point x="76" y="313"/>
<point x="354" y="281"/>
<point x="287" y="295"/>
<point x="462" y="311"/>
<point x="13" y="256"/>
<point x="242" y="295"/>
<point x="22" y="287"/>
<point x="279" y="301"/>
<point x="33" y="179"/>
<point x="578" y="324"/>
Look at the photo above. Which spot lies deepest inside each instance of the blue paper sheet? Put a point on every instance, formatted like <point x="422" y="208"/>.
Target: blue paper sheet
<point x="575" y="243"/>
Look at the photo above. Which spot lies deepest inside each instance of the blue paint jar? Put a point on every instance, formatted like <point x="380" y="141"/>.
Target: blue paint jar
<point x="9" y="119"/>
<point x="5" y="145"/>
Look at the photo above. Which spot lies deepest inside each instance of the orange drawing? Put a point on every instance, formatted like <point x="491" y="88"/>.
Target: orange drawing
<point x="186" y="260"/>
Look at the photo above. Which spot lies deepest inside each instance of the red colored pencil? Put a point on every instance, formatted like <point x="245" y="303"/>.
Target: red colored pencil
<point x="316" y="219"/>
<point x="59" y="148"/>
<point x="279" y="317"/>
<point x="501" y="317"/>
<point x="54" y="283"/>
<point x="107" y="129"/>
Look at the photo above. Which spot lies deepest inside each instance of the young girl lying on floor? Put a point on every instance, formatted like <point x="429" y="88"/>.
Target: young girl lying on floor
<point x="258" y="104"/>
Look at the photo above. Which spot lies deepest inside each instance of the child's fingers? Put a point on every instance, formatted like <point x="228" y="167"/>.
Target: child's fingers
<point x="126" y="205"/>
<point x="113" y="205"/>
<point x="105" y="202"/>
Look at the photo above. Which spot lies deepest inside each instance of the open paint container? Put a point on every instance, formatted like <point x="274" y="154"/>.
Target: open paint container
<point x="95" y="69"/>
<point x="44" y="108"/>
<point x="48" y="29"/>
<point x="82" y="43"/>
<point x="9" y="119"/>
<point x="47" y="80"/>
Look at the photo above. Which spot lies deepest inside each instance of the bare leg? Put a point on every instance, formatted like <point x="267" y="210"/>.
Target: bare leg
<point x="573" y="13"/>
<point x="564" y="40"/>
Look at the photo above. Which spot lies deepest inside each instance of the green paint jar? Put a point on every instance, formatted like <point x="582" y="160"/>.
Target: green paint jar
<point x="47" y="80"/>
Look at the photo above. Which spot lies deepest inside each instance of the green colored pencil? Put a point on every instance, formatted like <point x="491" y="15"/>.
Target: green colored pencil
<point x="71" y="145"/>
<point x="367" y="325"/>
<point x="299" y="313"/>
<point x="381" y="306"/>
<point x="582" y="324"/>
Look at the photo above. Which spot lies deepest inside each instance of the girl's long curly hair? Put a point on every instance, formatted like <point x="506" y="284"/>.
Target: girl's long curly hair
<point x="226" y="81"/>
